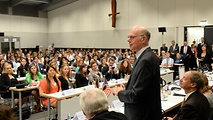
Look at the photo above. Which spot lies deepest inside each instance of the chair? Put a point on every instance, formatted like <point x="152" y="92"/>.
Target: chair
<point x="6" y="101"/>
<point x="45" y="108"/>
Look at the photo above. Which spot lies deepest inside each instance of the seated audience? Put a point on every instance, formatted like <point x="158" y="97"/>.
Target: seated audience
<point x="178" y="59"/>
<point x="23" y="68"/>
<point x="12" y="61"/>
<point x="195" y="105"/>
<point x="49" y="85"/>
<point x="167" y="61"/>
<point x="103" y="67"/>
<point x="124" y="69"/>
<point x="6" y="113"/>
<point x="112" y="71"/>
<point x="86" y="60"/>
<point x="81" y="76"/>
<point x="94" y="75"/>
<point x="40" y="58"/>
<point x="65" y="77"/>
<point x="2" y="61"/>
<point x="46" y="61"/>
<point x="28" y="58"/>
<point x="63" y="61"/>
<point x="94" y="105"/>
<point x="207" y="91"/>
<point x="163" y="56"/>
<point x="131" y="61"/>
<point x="38" y="65"/>
<point x="52" y="63"/>
<point x="33" y="77"/>
<point x="7" y="80"/>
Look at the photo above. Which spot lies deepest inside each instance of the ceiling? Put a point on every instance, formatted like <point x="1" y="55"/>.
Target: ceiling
<point x="43" y="5"/>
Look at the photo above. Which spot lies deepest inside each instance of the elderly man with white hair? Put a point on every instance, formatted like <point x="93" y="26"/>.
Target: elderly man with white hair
<point x="94" y="105"/>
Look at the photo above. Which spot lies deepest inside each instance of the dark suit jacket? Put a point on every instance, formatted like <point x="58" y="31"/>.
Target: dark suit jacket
<point x="106" y="115"/>
<point x="176" y="50"/>
<point x="142" y="95"/>
<point x="163" y="48"/>
<point x="196" y="107"/>
<point x="188" y="52"/>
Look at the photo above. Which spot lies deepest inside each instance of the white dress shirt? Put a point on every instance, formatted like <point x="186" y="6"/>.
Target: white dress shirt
<point x="168" y="61"/>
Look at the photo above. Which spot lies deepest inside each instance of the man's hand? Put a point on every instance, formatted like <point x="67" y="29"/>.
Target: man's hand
<point x="118" y="88"/>
<point x="167" y="118"/>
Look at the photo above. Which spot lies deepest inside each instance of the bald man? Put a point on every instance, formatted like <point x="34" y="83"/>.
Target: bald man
<point x="141" y="95"/>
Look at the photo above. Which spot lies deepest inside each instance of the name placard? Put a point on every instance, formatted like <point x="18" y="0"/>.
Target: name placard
<point x="79" y="116"/>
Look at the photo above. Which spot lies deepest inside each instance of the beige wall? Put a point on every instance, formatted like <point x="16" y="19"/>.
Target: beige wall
<point x="31" y="30"/>
<point x="85" y="23"/>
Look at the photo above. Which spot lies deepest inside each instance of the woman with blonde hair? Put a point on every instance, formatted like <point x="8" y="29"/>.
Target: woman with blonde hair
<point x="7" y="80"/>
<point x="207" y="91"/>
<point x="65" y="77"/>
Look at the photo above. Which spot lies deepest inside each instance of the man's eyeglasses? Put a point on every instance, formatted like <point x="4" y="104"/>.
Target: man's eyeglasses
<point x="132" y="37"/>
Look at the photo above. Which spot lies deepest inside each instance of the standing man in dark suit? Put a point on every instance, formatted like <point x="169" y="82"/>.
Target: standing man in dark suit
<point x="195" y="105"/>
<point x="144" y="81"/>
<point x="173" y="50"/>
<point x="163" y="48"/>
<point x="185" y="52"/>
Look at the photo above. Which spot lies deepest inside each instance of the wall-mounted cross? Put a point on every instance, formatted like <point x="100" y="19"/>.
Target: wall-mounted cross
<point x="114" y="12"/>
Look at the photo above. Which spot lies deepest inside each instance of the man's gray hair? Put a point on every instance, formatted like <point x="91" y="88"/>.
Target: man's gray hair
<point x="196" y="77"/>
<point x="93" y="101"/>
<point x="147" y="34"/>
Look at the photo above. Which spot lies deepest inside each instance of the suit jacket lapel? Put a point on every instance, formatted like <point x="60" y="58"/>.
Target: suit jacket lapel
<point x="147" y="50"/>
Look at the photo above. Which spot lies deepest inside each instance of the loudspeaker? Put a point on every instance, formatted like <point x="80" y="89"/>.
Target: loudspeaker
<point x="161" y="29"/>
<point x="1" y="34"/>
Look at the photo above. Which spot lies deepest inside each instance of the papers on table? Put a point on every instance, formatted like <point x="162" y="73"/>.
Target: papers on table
<point x="79" y="116"/>
<point x="117" y="104"/>
<point x="180" y="92"/>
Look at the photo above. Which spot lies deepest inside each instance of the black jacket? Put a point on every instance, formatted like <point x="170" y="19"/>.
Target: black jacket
<point x="106" y="115"/>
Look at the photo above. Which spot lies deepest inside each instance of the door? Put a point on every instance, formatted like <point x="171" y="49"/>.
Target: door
<point x="208" y="35"/>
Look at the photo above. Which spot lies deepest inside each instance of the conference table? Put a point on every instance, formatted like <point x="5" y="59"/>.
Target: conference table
<point x="167" y="105"/>
<point x="64" y="102"/>
<point x="19" y="90"/>
<point x="64" y="95"/>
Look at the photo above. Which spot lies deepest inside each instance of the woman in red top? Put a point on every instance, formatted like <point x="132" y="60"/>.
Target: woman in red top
<point x="49" y="85"/>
